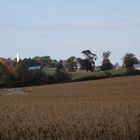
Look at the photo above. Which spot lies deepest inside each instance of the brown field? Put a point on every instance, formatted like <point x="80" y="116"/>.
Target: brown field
<point x="98" y="110"/>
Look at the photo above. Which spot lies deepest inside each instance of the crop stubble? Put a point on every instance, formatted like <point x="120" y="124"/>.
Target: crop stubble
<point x="102" y="110"/>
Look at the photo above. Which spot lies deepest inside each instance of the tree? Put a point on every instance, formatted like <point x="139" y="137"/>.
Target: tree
<point x="129" y="60"/>
<point x="89" y="62"/>
<point x="6" y="74"/>
<point x="85" y="64"/>
<point x="106" y="55"/>
<point x="61" y="75"/>
<point x="9" y="65"/>
<point x="60" y="66"/>
<point x="26" y="77"/>
<point x="92" y="57"/>
<point x="44" y="60"/>
<point x="106" y="64"/>
<point x="54" y="63"/>
<point x="3" y="70"/>
<point x="71" y="64"/>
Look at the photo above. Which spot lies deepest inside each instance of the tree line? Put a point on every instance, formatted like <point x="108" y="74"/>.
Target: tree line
<point x="88" y="64"/>
<point x="33" y="71"/>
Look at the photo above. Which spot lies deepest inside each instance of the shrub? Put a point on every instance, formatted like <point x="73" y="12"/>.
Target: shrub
<point x="62" y="76"/>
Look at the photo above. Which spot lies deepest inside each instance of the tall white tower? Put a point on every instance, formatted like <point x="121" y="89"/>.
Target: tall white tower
<point x="18" y="57"/>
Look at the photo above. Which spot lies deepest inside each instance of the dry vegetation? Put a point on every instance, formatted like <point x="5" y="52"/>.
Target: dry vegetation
<point x="99" y="110"/>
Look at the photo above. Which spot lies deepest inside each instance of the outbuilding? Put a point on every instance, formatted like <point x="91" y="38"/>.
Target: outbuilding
<point x="137" y="66"/>
<point x="34" y="68"/>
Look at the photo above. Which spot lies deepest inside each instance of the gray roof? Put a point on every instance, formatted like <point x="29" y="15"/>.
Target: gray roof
<point x="34" y="68"/>
<point x="137" y="66"/>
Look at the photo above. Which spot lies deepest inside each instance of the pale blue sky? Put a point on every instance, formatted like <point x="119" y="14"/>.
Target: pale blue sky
<point x="63" y="28"/>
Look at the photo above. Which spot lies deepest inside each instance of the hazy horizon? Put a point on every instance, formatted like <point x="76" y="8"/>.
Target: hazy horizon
<point x="63" y="28"/>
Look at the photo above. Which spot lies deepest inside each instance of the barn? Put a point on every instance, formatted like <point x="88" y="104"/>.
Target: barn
<point x="34" y="68"/>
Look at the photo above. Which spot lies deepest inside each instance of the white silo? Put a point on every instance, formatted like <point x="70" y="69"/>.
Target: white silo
<point x="18" y="57"/>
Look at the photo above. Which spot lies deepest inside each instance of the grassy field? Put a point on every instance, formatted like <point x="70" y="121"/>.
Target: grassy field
<point x="83" y="76"/>
<point x="106" y="109"/>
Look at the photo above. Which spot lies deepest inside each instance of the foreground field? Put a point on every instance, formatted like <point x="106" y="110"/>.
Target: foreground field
<point x="99" y="110"/>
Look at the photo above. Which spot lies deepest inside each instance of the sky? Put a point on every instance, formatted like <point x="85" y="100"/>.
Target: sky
<point x="63" y="28"/>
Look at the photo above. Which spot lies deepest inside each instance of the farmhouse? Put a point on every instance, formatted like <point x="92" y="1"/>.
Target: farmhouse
<point x="137" y="66"/>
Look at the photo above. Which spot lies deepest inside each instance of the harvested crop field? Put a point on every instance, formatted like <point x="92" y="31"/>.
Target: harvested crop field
<point x="98" y="110"/>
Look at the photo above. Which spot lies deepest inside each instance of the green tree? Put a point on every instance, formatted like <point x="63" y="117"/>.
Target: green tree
<point x="54" y="63"/>
<point x="106" y="64"/>
<point x="43" y="60"/>
<point x="90" y="58"/>
<point x="85" y="64"/>
<point x="61" y="75"/>
<point x="60" y="66"/>
<point x="106" y="55"/>
<point x="71" y="64"/>
<point x="26" y="77"/>
<point x="129" y="60"/>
